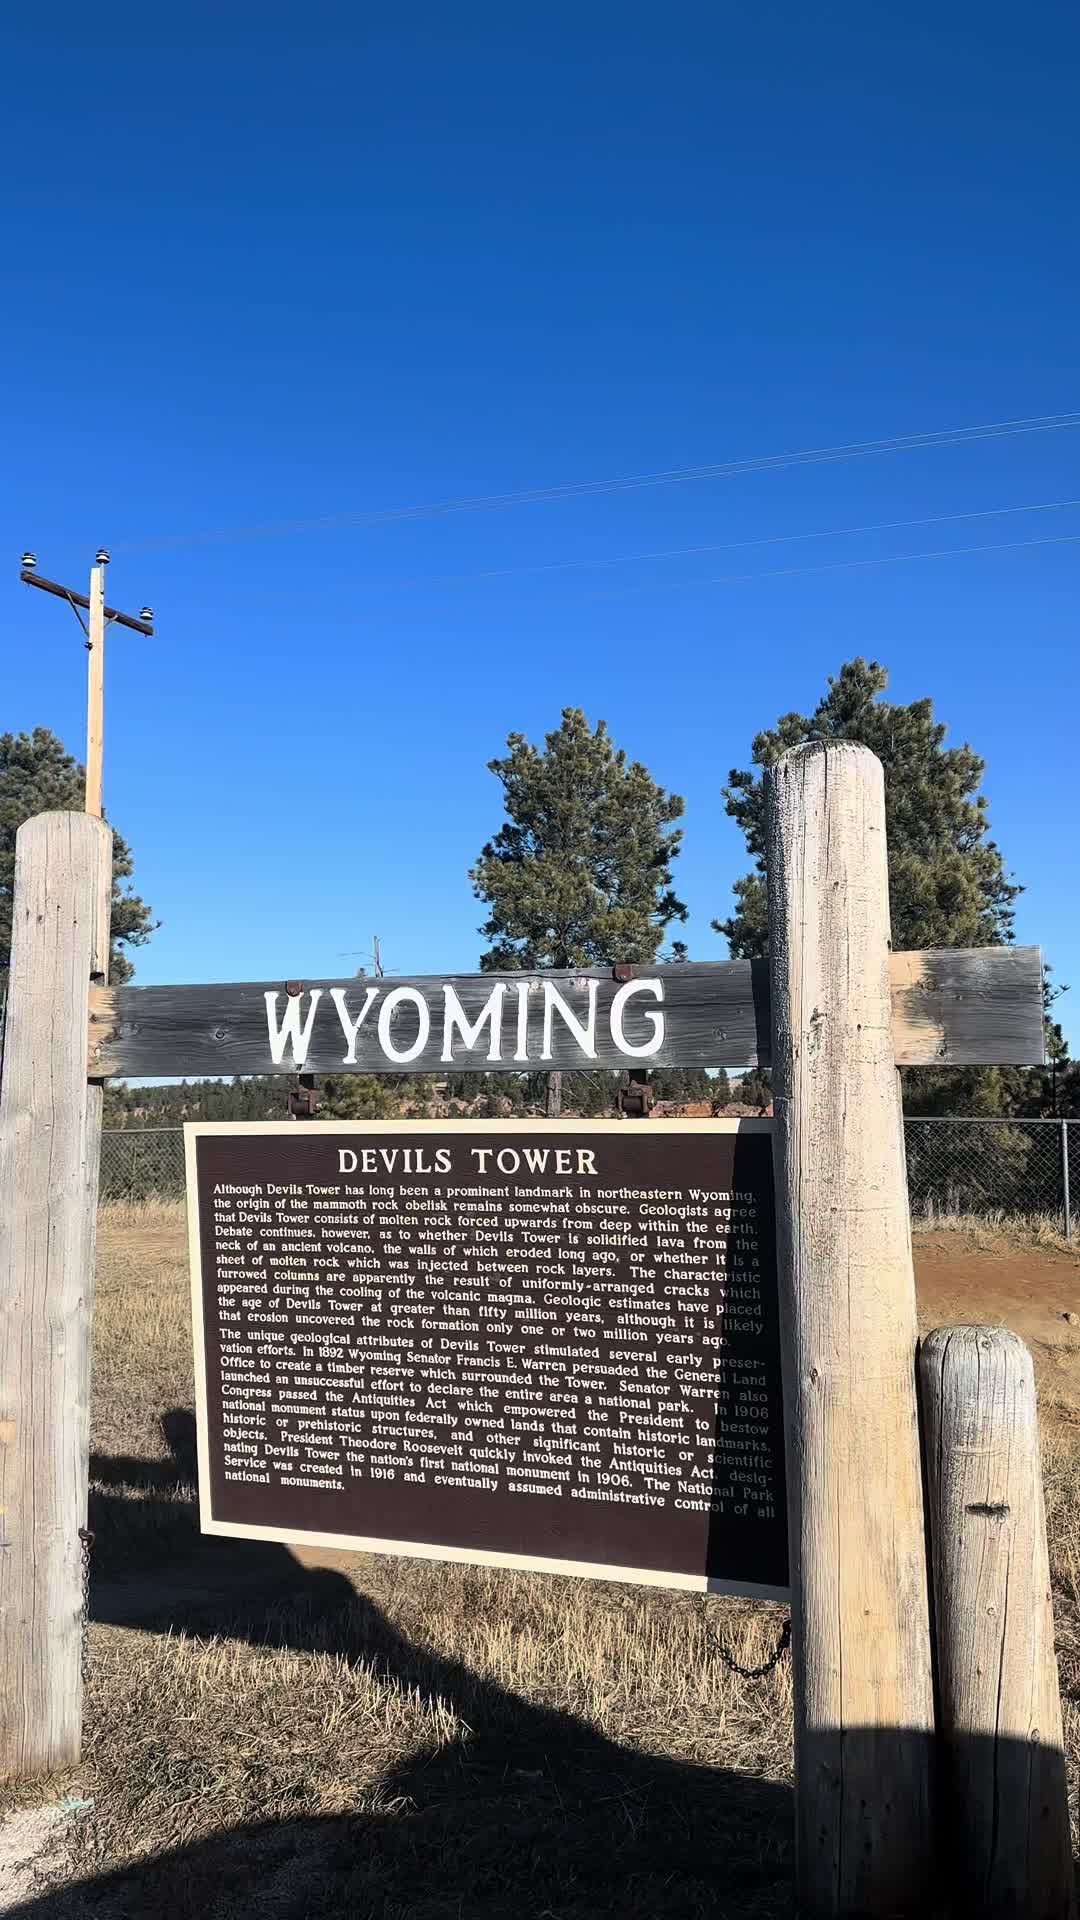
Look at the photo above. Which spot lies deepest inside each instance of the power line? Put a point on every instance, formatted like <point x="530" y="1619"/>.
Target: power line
<point x="829" y="566"/>
<point x="721" y="546"/>
<point x="627" y="483"/>
<point x="835" y="566"/>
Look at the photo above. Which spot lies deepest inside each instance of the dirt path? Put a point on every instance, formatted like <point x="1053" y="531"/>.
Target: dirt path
<point x="1031" y="1289"/>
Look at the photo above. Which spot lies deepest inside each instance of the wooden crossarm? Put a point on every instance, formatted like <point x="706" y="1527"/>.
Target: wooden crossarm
<point x="954" y="1007"/>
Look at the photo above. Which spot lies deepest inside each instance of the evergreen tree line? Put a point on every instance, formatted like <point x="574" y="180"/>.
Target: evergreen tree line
<point x="580" y="873"/>
<point x="390" y="1096"/>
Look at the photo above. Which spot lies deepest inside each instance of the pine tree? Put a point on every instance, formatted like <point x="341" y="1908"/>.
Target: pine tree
<point x="681" y="1085"/>
<point x="38" y="776"/>
<point x="360" y="1096"/>
<point x="948" y="883"/>
<point x="721" y="1089"/>
<point x="418" y="1093"/>
<point x="753" y="1090"/>
<point x="579" y="874"/>
<point x="591" y="1092"/>
<point x="1051" y="1091"/>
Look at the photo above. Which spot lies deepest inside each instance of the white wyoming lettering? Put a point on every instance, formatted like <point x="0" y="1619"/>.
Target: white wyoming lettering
<point x="530" y="1022"/>
<point x="454" y="1016"/>
<point x="350" y="1027"/>
<point x="290" y="1032"/>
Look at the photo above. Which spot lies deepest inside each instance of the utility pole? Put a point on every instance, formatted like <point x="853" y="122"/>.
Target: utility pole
<point x="95" y="691"/>
<point x="100" y="617"/>
<point x="361" y="953"/>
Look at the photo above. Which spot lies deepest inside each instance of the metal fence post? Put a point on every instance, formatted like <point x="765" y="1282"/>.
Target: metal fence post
<point x="1067" y="1206"/>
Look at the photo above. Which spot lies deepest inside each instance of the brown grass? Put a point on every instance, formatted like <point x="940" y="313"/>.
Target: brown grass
<point x="989" y="1231"/>
<point x="391" y="1738"/>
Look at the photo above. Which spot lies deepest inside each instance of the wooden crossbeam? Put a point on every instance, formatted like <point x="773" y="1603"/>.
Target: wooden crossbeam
<point x="953" y="1007"/>
<point x="30" y="579"/>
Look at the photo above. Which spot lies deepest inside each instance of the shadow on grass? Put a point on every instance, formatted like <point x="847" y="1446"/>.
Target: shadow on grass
<point x="586" y="1835"/>
<point x="533" y="1816"/>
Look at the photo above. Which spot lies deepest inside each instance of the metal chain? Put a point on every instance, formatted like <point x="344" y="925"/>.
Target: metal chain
<point x="735" y="1666"/>
<point x="86" y="1539"/>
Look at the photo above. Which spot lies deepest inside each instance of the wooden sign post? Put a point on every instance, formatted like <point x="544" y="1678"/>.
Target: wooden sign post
<point x="1001" y="1761"/>
<point x="50" y="1149"/>
<point x="864" y="1703"/>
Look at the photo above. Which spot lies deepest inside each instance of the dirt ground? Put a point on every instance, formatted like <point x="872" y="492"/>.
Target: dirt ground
<point x="1032" y="1289"/>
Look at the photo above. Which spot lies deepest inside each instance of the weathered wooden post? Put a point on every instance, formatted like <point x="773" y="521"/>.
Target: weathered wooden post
<point x="860" y="1624"/>
<point x="50" y="1126"/>
<point x="1003" y="1788"/>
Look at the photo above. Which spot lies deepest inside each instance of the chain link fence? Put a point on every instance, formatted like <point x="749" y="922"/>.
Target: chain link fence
<point x="1029" y="1167"/>
<point x="954" y="1166"/>
<point x="142" y="1163"/>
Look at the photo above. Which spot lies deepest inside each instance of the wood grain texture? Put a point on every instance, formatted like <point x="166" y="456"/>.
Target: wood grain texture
<point x="714" y="1012"/>
<point x="977" y="1006"/>
<point x="73" y="598"/>
<point x="861" y="1635"/>
<point x="1006" y="1811"/>
<point x="50" y="1128"/>
<point x="956" y="1007"/>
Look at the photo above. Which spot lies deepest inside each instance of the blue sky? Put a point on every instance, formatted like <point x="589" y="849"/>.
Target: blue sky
<point x="269" y="267"/>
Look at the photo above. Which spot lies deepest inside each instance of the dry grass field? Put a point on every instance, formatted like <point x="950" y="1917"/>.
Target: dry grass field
<point x="397" y="1740"/>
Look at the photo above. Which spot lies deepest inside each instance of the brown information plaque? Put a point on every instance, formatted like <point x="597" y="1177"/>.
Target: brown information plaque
<point x="547" y="1344"/>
